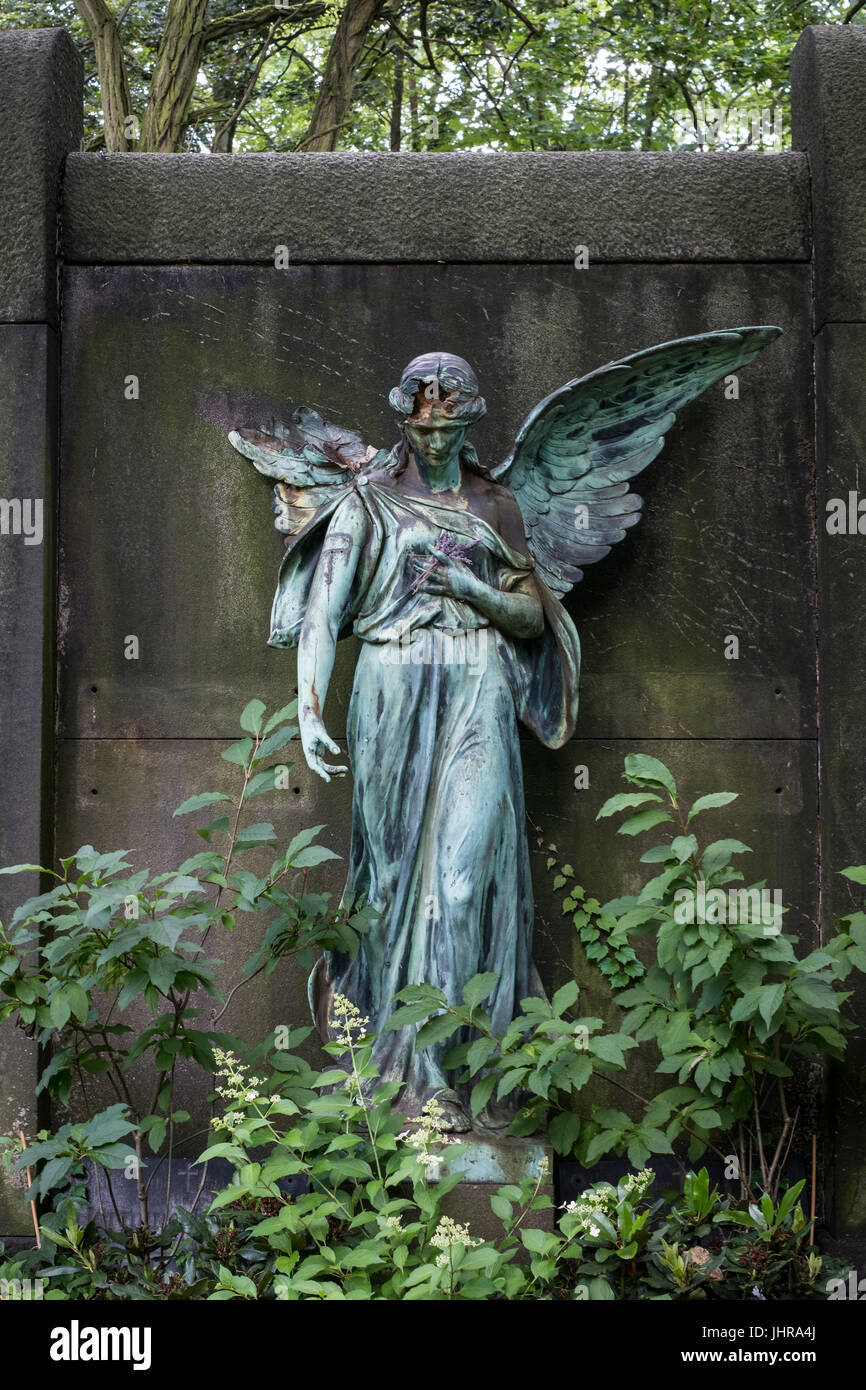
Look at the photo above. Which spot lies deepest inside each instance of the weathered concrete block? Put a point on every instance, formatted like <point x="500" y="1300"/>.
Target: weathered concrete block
<point x="27" y="407"/>
<point x="488" y="207"/>
<point x="828" y="79"/>
<point x="119" y="794"/>
<point x="167" y="532"/>
<point x="491" y="1162"/>
<point x="41" y="77"/>
<point x="841" y="371"/>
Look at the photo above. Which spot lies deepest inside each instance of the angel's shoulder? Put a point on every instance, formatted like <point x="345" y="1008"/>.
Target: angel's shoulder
<point x="509" y="517"/>
<point x="350" y="513"/>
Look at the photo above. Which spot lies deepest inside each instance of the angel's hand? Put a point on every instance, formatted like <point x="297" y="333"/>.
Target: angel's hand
<point x="316" y="741"/>
<point x="453" y="579"/>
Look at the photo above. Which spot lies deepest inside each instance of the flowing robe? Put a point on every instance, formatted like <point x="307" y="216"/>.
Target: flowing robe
<point x="438" y="845"/>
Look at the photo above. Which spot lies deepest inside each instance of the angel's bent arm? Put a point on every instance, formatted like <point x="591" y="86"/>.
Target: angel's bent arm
<point x="329" y="597"/>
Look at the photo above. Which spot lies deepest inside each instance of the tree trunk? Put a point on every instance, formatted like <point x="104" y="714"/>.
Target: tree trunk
<point x="397" y="102"/>
<point x="113" y="84"/>
<point x="174" y="77"/>
<point x="338" y="80"/>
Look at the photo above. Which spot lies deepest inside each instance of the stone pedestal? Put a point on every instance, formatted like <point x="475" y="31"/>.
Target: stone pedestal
<point x="492" y="1161"/>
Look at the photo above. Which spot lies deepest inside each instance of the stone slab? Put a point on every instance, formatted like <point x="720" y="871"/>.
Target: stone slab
<point x="121" y="793"/>
<point x="841" y="371"/>
<point x="27" y="406"/>
<point x="828" y="79"/>
<point x="41" y="84"/>
<point x="167" y="533"/>
<point x="492" y="1162"/>
<point x="531" y="206"/>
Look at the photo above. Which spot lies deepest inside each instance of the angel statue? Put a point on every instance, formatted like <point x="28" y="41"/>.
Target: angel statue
<point x="452" y="576"/>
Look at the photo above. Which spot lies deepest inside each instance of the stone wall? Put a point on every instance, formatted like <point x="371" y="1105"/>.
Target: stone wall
<point x="165" y="533"/>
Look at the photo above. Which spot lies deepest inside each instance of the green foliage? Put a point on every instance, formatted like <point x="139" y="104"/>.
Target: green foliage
<point x="138" y="938"/>
<point x="727" y="1004"/>
<point x="606" y="74"/>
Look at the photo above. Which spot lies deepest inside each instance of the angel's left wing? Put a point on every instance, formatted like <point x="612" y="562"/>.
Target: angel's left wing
<point x="312" y="460"/>
<point x="576" y="450"/>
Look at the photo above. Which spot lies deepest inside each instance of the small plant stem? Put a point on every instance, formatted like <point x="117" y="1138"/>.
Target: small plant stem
<point x="814" y="1184"/>
<point x="32" y="1202"/>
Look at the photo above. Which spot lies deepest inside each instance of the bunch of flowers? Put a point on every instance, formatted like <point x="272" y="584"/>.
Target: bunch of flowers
<point x="427" y="1134"/>
<point x="450" y="546"/>
<point x="604" y="1199"/>
<point x="447" y="1234"/>
<point x="240" y="1087"/>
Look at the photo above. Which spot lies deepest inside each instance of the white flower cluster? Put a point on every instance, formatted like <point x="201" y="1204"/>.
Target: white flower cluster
<point x="448" y="1233"/>
<point x="429" y="1129"/>
<point x="347" y="1018"/>
<point x="390" y="1225"/>
<point x="239" y="1086"/>
<point x="604" y="1199"/>
<point x="637" y="1185"/>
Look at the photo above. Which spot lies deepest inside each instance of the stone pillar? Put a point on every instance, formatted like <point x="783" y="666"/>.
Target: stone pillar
<point x="828" y="82"/>
<point x="40" y="122"/>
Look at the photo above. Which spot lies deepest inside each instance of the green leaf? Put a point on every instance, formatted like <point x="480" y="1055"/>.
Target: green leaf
<point x="815" y="992"/>
<point x="108" y="1126"/>
<point x="261" y="783"/>
<point x="857" y="873"/>
<point x="643" y="820"/>
<point x="481" y="1092"/>
<point x="162" y="970"/>
<point x="565" y="997"/>
<point x="260" y="834"/>
<point x="251" y="718"/>
<point x="609" y="1047"/>
<point x="239" y="753"/>
<point x="564" y="1131"/>
<point x="624" y="801"/>
<point x="640" y="767"/>
<point x="136" y="982"/>
<point x="479" y="988"/>
<point x="78" y="1000"/>
<point x="195" y="803"/>
<point x="771" y="997"/>
<point x="311" y="856"/>
<point x="59" y="1008"/>
<point x="719" y="852"/>
<point x="289" y="711"/>
<point x="706" y="803"/>
<point x="539" y="1242"/>
<point x="478" y="1052"/>
<point x="276" y="741"/>
<point x="437" y="1030"/>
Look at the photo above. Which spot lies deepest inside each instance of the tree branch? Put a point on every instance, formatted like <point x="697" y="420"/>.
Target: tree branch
<point x="258" y="17"/>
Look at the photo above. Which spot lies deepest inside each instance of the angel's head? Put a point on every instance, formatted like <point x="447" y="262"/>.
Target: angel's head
<point x="437" y="400"/>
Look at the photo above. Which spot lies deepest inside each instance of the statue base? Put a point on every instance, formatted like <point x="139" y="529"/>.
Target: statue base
<point x="492" y="1161"/>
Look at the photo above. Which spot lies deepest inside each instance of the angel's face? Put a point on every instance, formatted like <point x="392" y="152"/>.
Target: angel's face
<point x="437" y="445"/>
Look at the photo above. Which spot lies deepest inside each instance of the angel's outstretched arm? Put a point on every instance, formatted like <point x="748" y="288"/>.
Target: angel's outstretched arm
<point x="329" y="596"/>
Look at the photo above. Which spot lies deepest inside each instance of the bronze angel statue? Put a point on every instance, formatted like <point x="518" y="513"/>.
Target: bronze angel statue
<point x="452" y="576"/>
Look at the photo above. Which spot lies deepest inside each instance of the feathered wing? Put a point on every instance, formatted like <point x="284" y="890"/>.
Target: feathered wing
<point x="576" y="451"/>
<point x="312" y="460"/>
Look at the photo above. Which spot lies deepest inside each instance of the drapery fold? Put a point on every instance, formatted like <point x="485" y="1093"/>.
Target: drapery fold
<point x="438" y="822"/>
